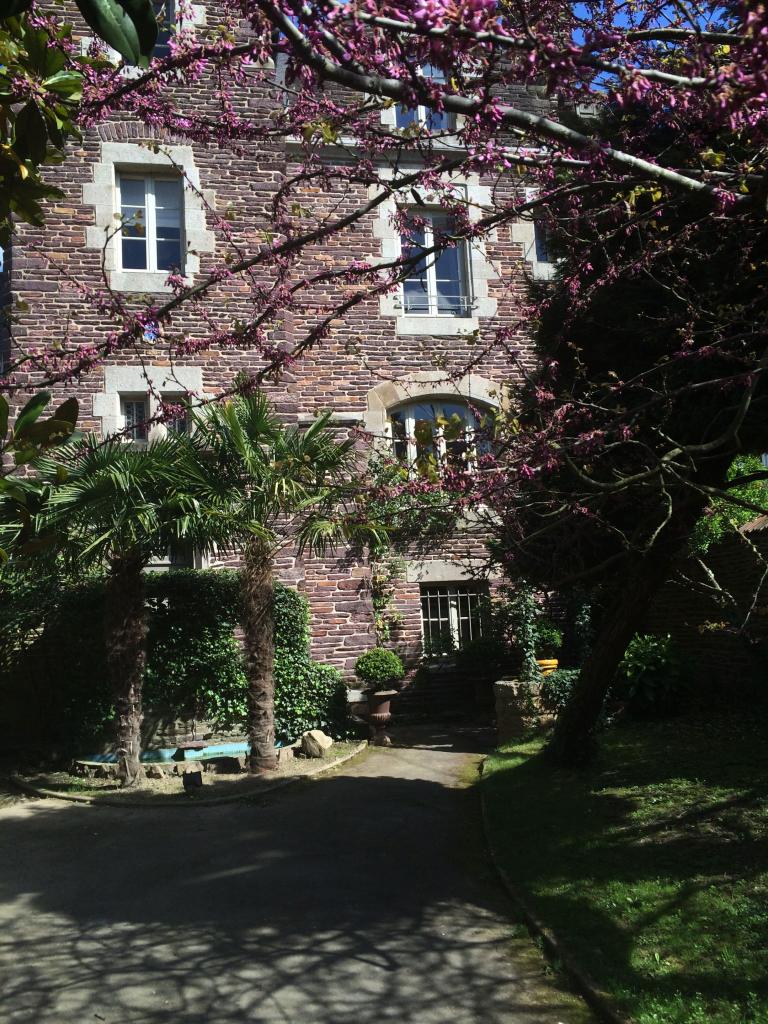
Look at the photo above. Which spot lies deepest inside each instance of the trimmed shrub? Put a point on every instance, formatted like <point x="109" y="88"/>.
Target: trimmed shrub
<point x="379" y="667"/>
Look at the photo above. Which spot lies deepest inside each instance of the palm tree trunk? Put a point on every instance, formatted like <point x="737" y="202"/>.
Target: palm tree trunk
<point x="259" y="631"/>
<point x="125" y="635"/>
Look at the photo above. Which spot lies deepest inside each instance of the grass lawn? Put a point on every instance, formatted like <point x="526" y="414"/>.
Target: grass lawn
<point x="651" y="866"/>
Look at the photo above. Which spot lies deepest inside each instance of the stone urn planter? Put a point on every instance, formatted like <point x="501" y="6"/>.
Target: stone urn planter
<point x="380" y="670"/>
<point x="380" y="715"/>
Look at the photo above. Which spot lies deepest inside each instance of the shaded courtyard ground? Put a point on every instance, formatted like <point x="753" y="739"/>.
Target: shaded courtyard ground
<point x="364" y="896"/>
<point x="650" y="864"/>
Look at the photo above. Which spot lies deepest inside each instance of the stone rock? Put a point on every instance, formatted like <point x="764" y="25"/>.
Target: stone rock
<point x="106" y="771"/>
<point x="155" y="771"/>
<point x="314" y="743"/>
<point x="226" y="765"/>
<point x="284" y="754"/>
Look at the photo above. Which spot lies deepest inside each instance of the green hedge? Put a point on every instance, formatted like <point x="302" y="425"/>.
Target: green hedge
<point x="52" y="678"/>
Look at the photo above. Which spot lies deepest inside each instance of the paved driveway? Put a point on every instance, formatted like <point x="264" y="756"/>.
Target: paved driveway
<point x="361" y="897"/>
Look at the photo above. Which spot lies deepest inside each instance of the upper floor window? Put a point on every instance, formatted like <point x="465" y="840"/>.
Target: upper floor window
<point x="434" y="436"/>
<point x="541" y="243"/>
<point x="438" y="283"/>
<point x="152" y="214"/>
<point x="165" y="12"/>
<point x="426" y="117"/>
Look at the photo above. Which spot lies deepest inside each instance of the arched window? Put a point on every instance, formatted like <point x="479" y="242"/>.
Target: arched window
<point x="431" y="436"/>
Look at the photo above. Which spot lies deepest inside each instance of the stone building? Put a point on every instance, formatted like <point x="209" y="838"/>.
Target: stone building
<point x="389" y="363"/>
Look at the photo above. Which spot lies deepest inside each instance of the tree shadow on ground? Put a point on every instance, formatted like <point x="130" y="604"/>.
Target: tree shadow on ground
<point x="668" y="904"/>
<point x="353" y="899"/>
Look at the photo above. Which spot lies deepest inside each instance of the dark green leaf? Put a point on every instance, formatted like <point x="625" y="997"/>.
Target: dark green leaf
<point x="31" y="134"/>
<point x="30" y="412"/>
<point x="128" y="26"/>
<point x="13" y="7"/>
<point x="68" y="411"/>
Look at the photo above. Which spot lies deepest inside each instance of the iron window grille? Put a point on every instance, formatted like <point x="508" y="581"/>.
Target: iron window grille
<point x="451" y="616"/>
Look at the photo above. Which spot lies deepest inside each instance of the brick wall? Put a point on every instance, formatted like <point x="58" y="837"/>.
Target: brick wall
<point x="362" y="350"/>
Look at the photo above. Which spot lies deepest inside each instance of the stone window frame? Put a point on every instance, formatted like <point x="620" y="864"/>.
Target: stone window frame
<point x="480" y="590"/>
<point x="134" y="382"/>
<point x="479" y="268"/>
<point x="426" y="384"/>
<point x="524" y="233"/>
<point x="102" y="194"/>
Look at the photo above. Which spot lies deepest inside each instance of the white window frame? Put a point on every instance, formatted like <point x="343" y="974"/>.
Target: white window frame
<point x="466" y="296"/>
<point x="150" y="235"/>
<point x="480" y="270"/>
<point x="453" y="592"/>
<point x="135" y="159"/>
<point x="439" y="439"/>
<point x="125" y="399"/>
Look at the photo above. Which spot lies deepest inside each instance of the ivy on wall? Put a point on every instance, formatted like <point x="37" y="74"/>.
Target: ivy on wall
<point x="52" y="679"/>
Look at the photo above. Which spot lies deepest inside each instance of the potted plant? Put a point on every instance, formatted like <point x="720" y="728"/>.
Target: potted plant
<point x="380" y="670"/>
<point x="549" y="640"/>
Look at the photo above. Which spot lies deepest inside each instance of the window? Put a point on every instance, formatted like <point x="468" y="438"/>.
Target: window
<point x="177" y="423"/>
<point x="135" y="412"/>
<point x="138" y="409"/>
<point x="430" y="436"/>
<point x="165" y="12"/>
<point x="541" y="243"/>
<point x="421" y="116"/>
<point x="152" y="217"/>
<point x="451" y="616"/>
<point x="438" y="283"/>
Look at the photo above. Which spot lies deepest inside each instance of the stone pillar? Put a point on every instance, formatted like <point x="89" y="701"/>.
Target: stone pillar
<point x="513" y="707"/>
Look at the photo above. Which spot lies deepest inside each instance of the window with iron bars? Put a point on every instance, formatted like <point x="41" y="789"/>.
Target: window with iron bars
<point x="451" y="616"/>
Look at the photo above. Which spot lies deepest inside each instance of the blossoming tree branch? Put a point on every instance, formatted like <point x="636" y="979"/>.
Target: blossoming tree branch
<point x="643" y="158"/>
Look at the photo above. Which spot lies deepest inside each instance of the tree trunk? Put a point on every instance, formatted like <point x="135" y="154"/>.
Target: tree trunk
<point x="572" y="741"/>
<point x="259" y="630"/>
<point x="125" y="634"/>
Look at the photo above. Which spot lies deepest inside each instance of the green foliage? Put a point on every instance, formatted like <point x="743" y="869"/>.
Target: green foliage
<point x="649" y="679"/>
<point x="379" y="667"/>
<point x="721" y="517"/>
<point x="549" y="638"/>
<point x="128" y="26"/>
<point x="194" y="667"/>
<point x="52" y="656"/>
<point x="485" y="659"/>
<point x="653" y="871"/>
<point x="557" y="687"/>
<point x="520" y="616"/>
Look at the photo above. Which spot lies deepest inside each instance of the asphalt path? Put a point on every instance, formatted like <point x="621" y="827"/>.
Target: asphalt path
<point x="365" y="896"/>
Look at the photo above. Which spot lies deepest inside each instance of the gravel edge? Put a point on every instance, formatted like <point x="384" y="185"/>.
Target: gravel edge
<point x="598" y="1000"/>
<point x="78" y="798"/>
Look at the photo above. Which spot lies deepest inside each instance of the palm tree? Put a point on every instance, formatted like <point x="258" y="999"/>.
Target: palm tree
<point x="116" y="506"/>
<point x="287" y="485"/>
